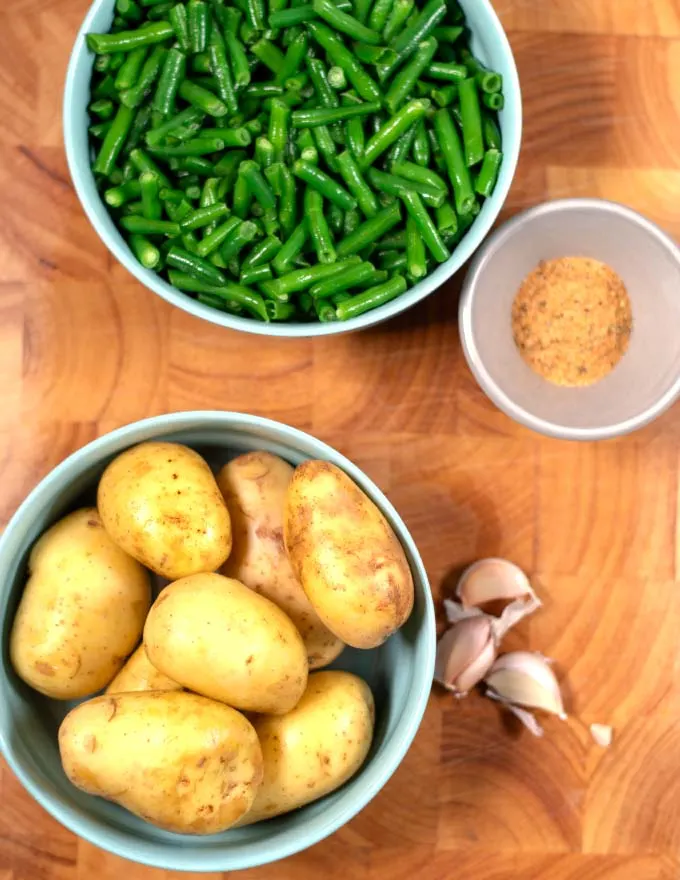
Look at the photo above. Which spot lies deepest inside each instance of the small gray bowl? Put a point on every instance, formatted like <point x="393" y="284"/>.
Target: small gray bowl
<point x="647" y="379"/>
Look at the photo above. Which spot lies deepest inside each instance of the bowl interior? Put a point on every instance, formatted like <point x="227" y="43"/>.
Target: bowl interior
<point x="399" y="672"/>
<point x="490" y="45"/>
<point x="649" y="265"/>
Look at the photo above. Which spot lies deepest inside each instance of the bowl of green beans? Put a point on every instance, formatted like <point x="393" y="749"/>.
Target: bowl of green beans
<point x="292" y="168"/>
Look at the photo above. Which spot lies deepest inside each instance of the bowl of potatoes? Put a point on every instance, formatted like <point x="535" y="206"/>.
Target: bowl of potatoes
<point x="217" y="641"/>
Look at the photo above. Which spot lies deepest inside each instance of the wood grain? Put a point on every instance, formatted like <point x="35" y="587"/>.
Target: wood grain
<point x="84" y="349"/>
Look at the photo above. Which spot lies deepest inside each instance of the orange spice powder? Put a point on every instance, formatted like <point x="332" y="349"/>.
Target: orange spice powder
<point x="572" y="320"/>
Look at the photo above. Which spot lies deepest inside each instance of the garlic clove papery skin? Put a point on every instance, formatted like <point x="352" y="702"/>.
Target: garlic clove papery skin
<point x="465" y="654"/>
<point x="525" y="679"/>
<point x="491" y="580"/>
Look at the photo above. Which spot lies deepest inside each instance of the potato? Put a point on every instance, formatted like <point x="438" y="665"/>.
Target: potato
<point x="82" y="610"/>
<point x="182" y="762"/>
<point x="139" y="675"/>
<point x="161" y="504"/>
<point x="317" y="747"/>
<point x="347" y="558"/>
<point x="222" y="640"/>
<point x="254" y="486"/>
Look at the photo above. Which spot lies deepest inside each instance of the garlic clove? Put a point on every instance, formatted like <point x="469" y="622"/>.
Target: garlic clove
<point x="490" y="580"/>
<point x="527" y="719"/>
<point x="525" y="679"/>
<point x="455" y="611"/>
<point x="465" y="654"/>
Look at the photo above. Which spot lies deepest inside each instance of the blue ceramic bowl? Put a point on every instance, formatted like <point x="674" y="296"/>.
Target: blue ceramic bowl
<point x="490" y="45"/>
<point x="399" y="672"/>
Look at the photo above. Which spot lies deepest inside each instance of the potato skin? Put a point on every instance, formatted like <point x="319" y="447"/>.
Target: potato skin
<point x="139" y="675"/>
<point x="82" y="610"/>
<point x="178" y="760"/>
<point x="317" y="747"/>
<point x="254" y="486"/>
<point x="346" y="556"/>
<point x="220" y="639"/>
<point x="161" y="504"/>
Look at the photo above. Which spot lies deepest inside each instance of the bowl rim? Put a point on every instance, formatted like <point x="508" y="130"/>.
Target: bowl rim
<point x="462" y="253"/>
<point x="156" y="853"/>
<point x="503" y="401"/>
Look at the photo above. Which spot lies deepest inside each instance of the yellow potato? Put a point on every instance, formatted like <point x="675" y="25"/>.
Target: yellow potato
<point x="346" y="556"/>
<point x="222" y="640"/>
<point x="82" y="610"/>
<point x="317" y="747"/>
<point x="161" y="504"/>
<point x="139" y="675"/>
<point x="182" y="762"/>
<point x="254" y="486"/>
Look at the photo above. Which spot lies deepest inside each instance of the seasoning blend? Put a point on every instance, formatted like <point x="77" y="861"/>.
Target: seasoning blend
<point x="572" y="320"/>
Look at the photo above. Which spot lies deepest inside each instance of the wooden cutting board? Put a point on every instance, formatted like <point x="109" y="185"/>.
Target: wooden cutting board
<point x="84" y="349"/>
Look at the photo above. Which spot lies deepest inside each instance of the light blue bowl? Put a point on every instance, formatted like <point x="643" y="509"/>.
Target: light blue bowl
<point x="490" y="45"/>
<point x="399" y="672"/>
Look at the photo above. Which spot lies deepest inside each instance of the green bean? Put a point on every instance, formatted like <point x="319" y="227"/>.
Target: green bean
<point x="418" y="174"/>
<point x="217" y="237"/>
<point x="134" y="96"/>
<point x="269" y="54"/>
<point x="293" y="245"/>
<point x="264" y="152"/>
<point x="192" y="165"/>
<point x="492" y="133"/>
<point x="415" y="251"/>
<point x="146" y="252"/>
<point x="279" y="116"/>
<point x="362" y="9"/>
<point x="238" y="59"/>
<point x="242" y="197"/>
<point x="229" y="18"/>
<point x="202" y="99"/>
<point x="180" y="26"/>
<point x="278" y="311"/>
<point x="402" y="120"/>
<point x="256" y="275"/>
<point x="355" y="276"/>
<point x="225" y="290"/>
<point x="190" y="117"/>
<point x="450" y="146"/>
<point x="288" y="18"/>
<point x="473" y="139"/>
<point x="149" y="188"/>
<point x="374" y="54"/>
<point x="200" y="146"/>
<point x="221" y="71"/>
<point x="319" y="77"/>
<point x="106" y="88"/>
<point x="328" y="115"/>
<point x="143" y="226"/>
<point x="262" y="253"/>
<point x="254" y="126"/>
<point x="319" y="232"/>
<point x="394" y="261"/>
<point x="371" y="298"/>
<point x="405" y="43"/>
<point x="287" y="201"/>
<point x="172" y="74"/>
<point x="232" y="137"/>
<point x="325" y="311"/>
<point x="356" y="139"/>
<point x="326" y="146"/>
<point x="379" y="14"/>
<point x="113" y="141"/>
<point x="370" y="231"/>
<point x="393" y="185"/>
<point x="448" y="35"/>
<point x="129" y="71"/>
<point x="494" y="101"/>
<point x="117" y="196"/>
<point x="255" y="13"/>
<point x="345" y="23"/>
<point x="194" y="265"/>
<point x="341" y="56"/>
<point x="421" y="145"/>
<point x="238" y="239"/>
<point x="198" y="16"/>
<point x="257" y="185"/>
<point x="302" y="279"/>
<point x="203" y="217"/>
<point x="193" y="191"/>
<point x="292" y="60"/>
<point x="324" y="184"/>
<point x="336" y="78"/>
<point x="447" y="221"/>
<point x="351" y="174"/>
<point x="143" y="162"/>
<point x="454" y="73"/>
<point x="425" y="226"/>
<point x="403" y="82"/>
<point x="351" y="222"/>
<point x="103" y="108"/>
<point x="488" y="174"/>
<point x="397" y="18"/>
<point x="126" y="41"/>
<point x="402" y="146"/>
<point x="489" y="81"/>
